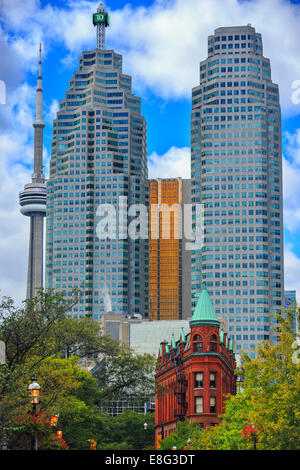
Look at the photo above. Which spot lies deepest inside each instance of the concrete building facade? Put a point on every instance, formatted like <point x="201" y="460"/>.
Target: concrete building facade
<point x="236" y="167"/>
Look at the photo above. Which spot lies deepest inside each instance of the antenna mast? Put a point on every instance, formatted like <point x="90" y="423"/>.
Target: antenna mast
<point x="101" y="21"/>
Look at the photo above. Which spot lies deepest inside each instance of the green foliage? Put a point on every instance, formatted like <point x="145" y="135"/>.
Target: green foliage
<point x="41" y="341"/>
<point x="35" y="426"/>
<point x="126" y="431"/>
<point x="126" y="374"/>
<point x="181" y="437"/>
<point x="269" y="400"/>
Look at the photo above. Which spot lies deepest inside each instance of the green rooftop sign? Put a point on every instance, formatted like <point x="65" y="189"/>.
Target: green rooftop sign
<point x="101" y="18"/>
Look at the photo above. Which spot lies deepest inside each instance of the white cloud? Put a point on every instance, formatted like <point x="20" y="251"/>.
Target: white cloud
<point x="51" y="114"/>
<point x="175" y="162"/>
<point x="291" y="178"/>
<point x="163" y="43"/>
<point x="291" y="270"/>
<point x="16" y="150"/>
<point x="162" y="46"/>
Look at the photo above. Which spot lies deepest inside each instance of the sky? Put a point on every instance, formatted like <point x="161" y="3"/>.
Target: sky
<point x="162" y="42"/>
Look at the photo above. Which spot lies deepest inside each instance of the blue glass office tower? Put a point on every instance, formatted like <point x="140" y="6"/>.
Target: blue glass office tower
<point x="237" y="175"/>
<point x="290" y="302"/>
<point x="99" y="154"/>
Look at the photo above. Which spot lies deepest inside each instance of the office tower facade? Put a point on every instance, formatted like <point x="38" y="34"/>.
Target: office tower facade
<point x="290" y="302"/>
<point x="169" y="261"/>
<point x="237" y="176"/>
<point x="99" y="155"/>
<point x="33" y="199"/>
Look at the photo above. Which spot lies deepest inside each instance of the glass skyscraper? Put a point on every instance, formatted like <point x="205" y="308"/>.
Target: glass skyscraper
<point x="98" y="155"/>
<point x="290" y="302"/>
<point x="237" y="175"/>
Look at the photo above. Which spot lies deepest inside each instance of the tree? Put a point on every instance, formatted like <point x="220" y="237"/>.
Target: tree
<point x="127" y="432"/>
<point x="181" y="437"/>
<point x="126" y="375"/>
<point x="40" y="328"/>
<point x="42" y="341"/>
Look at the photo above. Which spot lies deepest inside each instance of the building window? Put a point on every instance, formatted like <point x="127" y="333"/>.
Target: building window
<point x="198" y="379"/>
<point x="197" y="343"/>
<point x="212" y="404"/>
<point x="198" y="404"/>
<point x="212" y="380"/>
<point x="213" y="343"/>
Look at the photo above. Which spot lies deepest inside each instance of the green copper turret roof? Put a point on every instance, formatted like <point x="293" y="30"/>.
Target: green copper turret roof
<point x="182" y="336"/>
<point x="204" y="313"/>
<point x="222" y="337"/>
<point x="167" y="349"/>
<point x="173" y="342"/>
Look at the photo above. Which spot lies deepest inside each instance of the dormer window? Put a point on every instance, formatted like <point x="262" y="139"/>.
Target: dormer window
<point x="213" y="343"/>
<point x="197" y="343"/>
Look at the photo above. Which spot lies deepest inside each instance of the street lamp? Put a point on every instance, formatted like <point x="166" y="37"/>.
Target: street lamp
<point x="145" y="425"/>
<point x="54" y="420"/>
<point x="34" y="390"/>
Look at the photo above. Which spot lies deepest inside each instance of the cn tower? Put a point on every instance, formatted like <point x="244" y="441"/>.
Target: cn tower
<point x="33" y="199"/>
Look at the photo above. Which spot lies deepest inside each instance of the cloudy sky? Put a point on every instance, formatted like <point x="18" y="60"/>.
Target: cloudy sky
<point x="162" y="42"/>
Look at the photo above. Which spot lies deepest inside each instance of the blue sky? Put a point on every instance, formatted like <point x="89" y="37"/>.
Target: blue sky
<point x="162" y="42"/>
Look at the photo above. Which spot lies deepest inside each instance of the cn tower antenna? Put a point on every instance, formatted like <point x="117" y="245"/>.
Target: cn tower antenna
<point x="33" y="198"/>
<point x="101" y="21"/>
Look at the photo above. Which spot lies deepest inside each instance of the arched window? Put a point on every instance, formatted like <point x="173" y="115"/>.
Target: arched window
<point x="213" y="343"/>
<point x="197" y="343"/>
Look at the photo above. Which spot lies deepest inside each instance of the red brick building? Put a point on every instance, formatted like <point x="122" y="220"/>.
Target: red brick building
<point x="195" y="372"/>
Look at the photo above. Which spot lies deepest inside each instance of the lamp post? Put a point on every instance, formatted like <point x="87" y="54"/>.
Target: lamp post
<point x="34" y="390"/>
<point x="54" y="420"/>
<point x="250" y="433"/>
<point x="145" y="425"/>
<point x="93" y="444"/>
<point x="254" y="437"/>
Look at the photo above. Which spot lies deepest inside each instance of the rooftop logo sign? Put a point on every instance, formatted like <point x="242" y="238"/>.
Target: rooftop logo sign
<point x="99" y="18"/>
